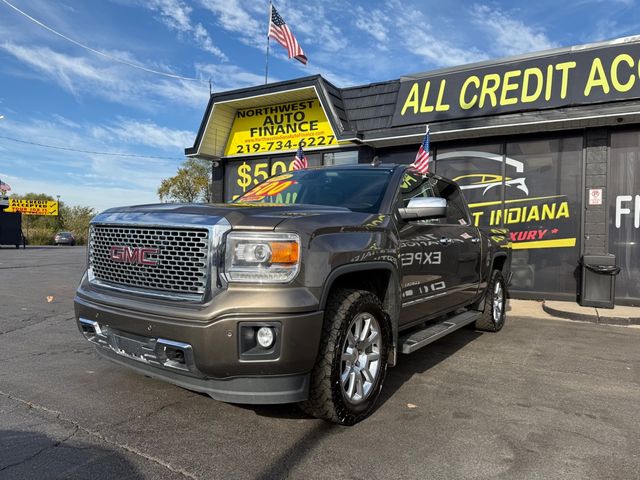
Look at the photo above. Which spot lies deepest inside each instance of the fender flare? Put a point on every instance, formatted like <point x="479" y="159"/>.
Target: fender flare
<point x="495" y="256"/>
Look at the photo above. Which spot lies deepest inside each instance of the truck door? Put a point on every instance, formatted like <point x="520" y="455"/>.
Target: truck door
<point x="466" y="268"/>
<point x="428" y="251"/>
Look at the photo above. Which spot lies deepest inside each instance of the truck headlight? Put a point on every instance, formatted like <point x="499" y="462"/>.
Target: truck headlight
<point x="261" y="257"/>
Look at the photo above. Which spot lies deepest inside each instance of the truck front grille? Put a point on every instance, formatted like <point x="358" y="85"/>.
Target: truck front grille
<point x="156" y="259"/>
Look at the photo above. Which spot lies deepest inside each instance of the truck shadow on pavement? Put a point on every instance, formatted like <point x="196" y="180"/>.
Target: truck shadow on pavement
<point x="425" y="359"/>
<point x="407" y="366"/>
<point x="281" y="466"/>
<point x="35" y="455"/>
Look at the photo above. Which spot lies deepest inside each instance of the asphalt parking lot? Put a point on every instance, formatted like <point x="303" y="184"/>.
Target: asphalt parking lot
<point x="542" y="399"/>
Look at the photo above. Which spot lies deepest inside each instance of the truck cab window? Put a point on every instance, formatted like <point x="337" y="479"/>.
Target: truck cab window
<point x="415" y="185"/>
<point x="456" y="211"/>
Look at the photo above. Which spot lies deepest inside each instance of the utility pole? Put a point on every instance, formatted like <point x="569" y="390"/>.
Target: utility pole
<point x="59" y="218"/>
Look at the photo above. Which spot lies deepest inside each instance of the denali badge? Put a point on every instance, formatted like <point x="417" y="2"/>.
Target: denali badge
<point x="135" y="255"/>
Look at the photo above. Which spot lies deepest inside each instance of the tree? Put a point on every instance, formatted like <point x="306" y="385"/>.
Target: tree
<point x="76" y="219"/>
<point x="189" y="185"/>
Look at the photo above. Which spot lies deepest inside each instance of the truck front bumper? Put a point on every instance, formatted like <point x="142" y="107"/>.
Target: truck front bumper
<point x="217" y="358"/>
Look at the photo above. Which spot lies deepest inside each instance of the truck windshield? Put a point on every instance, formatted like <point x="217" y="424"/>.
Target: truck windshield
<point x="358" y="189"/>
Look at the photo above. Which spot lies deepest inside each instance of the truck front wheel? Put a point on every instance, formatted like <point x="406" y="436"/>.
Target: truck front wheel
<point x="352" y="361"/>
<point x="493" y="315"/>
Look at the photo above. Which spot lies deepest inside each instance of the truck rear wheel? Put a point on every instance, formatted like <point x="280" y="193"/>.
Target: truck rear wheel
<point x="352" y="361"/>
<point x="495" y="302"/>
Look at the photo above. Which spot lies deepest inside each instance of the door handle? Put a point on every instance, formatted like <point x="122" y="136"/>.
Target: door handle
<point x="475" y="240"/>
<point x="445" y="240"/>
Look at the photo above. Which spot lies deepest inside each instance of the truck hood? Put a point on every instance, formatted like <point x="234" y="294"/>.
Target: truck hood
<point x="251" y="216"/>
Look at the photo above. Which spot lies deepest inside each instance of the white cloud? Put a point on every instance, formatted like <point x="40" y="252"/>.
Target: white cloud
<point x="82" y="75"/>
<point x="374" y="22"/>
<point x="57" y="65"/>
<point x="87" y="179"/>
<point x="582" y="3"/>
<point x="435" y="49"/>
<point x="177" y="16"/>
<point x="65" y="121"/>
<point x="509" y="35"/>
<point x="314" y="25"/>
<point x="137" y="132"/>
<point x="439" y="52"/>
<point x="88" y="76"/>
<point x="239" y="17"/>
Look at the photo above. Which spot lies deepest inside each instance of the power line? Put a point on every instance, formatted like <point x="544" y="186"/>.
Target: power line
<point x="98" y="52"/>
<point x="112" y="154"/>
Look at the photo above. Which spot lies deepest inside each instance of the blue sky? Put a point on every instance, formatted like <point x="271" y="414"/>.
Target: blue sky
<point x="54" y="92"/>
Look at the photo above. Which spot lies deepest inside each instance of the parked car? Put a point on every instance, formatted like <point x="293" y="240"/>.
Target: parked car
<point x="304" y="290"/>
<point x="64" y="238"/>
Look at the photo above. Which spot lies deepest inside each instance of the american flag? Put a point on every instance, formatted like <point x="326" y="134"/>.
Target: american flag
<point x="421" y="163"/>
<point x="279" y="31"/>
<point x="300" y="161"/>
<point x="4" y="186"/>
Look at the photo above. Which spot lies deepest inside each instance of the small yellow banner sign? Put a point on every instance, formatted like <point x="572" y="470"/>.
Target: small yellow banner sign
<point x="33" y="207"/>
<point x="280" y="128"/>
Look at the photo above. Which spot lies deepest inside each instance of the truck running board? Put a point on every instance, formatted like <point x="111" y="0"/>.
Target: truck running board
<point x="420" y="338"/>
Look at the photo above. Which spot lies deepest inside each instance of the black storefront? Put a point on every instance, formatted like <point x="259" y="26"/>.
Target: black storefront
<point x="547" y="145"/>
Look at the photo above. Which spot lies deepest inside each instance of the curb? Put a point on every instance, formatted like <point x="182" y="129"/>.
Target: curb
<point x="595" y="317"/>
<point x="613" y="320"/>
<point x="580" y="317"/>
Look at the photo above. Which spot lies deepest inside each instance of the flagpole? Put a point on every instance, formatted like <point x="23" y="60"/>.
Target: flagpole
<point x="266" y="66"/>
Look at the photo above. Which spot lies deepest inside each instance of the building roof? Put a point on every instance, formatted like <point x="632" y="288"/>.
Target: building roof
<point x="365" y="113"/>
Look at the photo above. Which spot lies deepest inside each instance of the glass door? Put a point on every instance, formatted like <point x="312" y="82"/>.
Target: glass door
<point x="624" y="212"/>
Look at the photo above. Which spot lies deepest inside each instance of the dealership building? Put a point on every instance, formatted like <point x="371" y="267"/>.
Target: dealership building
<point x="545" y="144"/>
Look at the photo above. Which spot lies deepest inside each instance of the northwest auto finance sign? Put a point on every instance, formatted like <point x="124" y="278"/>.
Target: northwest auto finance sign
<point x="573" y="78"/>
<point x="33" y="207"/>
<point x="280" y="128"/>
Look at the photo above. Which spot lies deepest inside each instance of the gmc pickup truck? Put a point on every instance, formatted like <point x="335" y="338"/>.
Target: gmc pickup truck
<point x="303" y="290"/>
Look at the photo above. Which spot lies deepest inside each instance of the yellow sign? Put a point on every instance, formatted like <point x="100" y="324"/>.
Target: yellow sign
<point x="280" y="128"/>
<point x="548" y="214"/>
<point x="250" y="174"/>
<point x="576" y="77"/>
<point x="33" y="207"/>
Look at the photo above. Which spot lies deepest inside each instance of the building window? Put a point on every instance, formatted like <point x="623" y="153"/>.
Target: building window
<point x="624" y="212"/>
<point x="532" y="187"/>
<point x="477" y="169"/>
<point x="341" y="158"/>
<point x="543" y="213"/>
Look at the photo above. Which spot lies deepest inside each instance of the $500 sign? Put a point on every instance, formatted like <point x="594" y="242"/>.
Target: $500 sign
<point x="246" y="175"/>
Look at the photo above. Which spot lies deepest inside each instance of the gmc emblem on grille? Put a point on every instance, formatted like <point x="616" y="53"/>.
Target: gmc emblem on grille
<point x="134" y="255"/>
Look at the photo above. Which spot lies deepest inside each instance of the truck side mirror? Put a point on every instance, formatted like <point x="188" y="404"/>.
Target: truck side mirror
<point x="423" y="208"/>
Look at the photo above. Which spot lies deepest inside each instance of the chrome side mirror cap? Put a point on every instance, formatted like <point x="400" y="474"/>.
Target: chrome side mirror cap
<point x="423" y="208"/>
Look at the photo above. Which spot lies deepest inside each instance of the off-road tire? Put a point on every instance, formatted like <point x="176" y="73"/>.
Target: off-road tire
<point x="326" y="399"/>
<point x="487" y="321"/>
